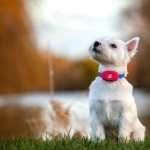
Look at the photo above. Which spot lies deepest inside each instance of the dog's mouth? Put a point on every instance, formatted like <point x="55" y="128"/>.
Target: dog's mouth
<point x="96" y="50"/>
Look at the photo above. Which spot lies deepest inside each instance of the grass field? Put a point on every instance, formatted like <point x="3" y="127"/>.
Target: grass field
<point x="68" y="143"/>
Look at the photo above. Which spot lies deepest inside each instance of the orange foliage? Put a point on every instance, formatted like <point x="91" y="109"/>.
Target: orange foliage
<point x="18" y="121"/>
<point x="139" y="19"/>
<point x="132" y="70"/>
<point x="22" y="68"/>
<point x="70" y="75"/>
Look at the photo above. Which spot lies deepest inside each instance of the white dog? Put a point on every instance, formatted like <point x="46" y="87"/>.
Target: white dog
<point x="112" y="106"/>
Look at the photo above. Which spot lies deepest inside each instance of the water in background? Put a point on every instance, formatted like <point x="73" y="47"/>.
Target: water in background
<point x="142" y="99"/>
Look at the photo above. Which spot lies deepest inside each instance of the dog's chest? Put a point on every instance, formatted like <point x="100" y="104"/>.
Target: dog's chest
<point x="110" y="100"/>
<point x="108" y="91"/>
<point x="110" y="112"/>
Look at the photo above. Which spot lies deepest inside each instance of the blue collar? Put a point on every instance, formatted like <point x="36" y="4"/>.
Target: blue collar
<point x="111" y="76"/>
<point x="119" y="75"/>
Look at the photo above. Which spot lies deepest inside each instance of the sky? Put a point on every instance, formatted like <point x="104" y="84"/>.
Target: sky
<point x="69" y="27"/>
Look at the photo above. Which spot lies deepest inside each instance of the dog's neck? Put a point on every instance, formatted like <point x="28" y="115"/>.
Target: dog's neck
<point x="120" y="70"/>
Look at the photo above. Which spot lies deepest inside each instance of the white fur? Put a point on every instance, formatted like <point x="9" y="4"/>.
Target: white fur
<point x="112" y="106"/>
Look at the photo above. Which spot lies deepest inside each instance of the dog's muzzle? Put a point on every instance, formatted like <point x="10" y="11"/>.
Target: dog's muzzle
<point x="95" y="50"/>
<point x="95" y="47"/>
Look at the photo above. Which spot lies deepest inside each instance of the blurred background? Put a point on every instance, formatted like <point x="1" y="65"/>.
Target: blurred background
<point x="36" y="32"/>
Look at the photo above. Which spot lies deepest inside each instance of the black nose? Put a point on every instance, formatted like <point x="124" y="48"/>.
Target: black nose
<point x="96" y="43"/>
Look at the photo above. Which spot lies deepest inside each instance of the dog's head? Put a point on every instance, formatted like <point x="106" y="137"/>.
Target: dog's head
<point x="113" y="51"/>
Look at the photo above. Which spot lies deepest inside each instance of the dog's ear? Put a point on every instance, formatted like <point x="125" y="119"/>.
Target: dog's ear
<point x="132" y="45"/>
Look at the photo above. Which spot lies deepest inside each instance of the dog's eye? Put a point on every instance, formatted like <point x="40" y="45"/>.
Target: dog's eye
<point x="113" y="46"/>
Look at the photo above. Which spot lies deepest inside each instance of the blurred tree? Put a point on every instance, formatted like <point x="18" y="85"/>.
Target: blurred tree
<point x="21" y="66"/>
<point x="69" y="75"/>
<point x="138" y="17"/>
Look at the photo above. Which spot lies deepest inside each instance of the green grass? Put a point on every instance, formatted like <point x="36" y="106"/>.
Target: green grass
<point x="70" y="144"/>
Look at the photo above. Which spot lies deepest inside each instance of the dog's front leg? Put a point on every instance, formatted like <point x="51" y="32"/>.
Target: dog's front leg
<point x="124" y="128"/>
<point x="96" y="113"/>
<point x="97" y="128"/>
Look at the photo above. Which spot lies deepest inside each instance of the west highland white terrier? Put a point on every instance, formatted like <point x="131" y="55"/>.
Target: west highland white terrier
<point x="111" y="103"/>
